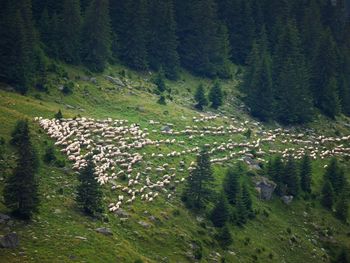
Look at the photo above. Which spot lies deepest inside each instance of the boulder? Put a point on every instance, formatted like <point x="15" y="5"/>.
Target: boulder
<point x="104" y="231"/>
<point x="9" y="241"/>
<point x="287" y="199"/>
<point x="121" y="213"/>
<point x="166" y="128"/>
<point x="264" y="186"/>
<point x="144" y="224"/>
<point x="115" y="81"/>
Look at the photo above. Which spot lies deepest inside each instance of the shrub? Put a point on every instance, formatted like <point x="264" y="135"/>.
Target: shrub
<point x="161" y="100"/>
<point x="49" y="155"/>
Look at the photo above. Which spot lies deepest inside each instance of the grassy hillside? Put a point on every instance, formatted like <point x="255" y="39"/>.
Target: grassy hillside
<point x="300" y="232"/>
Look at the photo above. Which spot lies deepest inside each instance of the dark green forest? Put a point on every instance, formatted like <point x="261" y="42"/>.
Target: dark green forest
<point x="293" y="56"/>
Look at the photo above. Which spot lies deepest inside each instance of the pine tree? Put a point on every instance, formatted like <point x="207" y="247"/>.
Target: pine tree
<point x="306" y="174"/>
<point x="70" y="27"/>
<point x="342" y="207"/>
<point x="224" y="236"/>
<point x="198" y="190"/>
<point x="18" y="45"/>
<point x="200" y="97"/>
<point x="258" y="80"/>
<point x="133" y="33"/>
<point x="330" y="103"/>
<point x="21" y="188"/>
<point x="89" y="194"/>
<point x="290" y="177"/>
<point x="231" y="185"/>
<point x="59" y="115"/>
<point x="335" y="175"/>
<point x="327" y="195"/>
<point x="215" y="95"/>
<point x="220" y="213"/>
<point x="203" y="41"/>
<point x="291" y="80"/>
<point x="242" y="213"/>
<point x="163" y="41"/>
<point x="247" y="200"/>
<point x="96" y="36"/>
<point x="159" y="81"/>
<point x="276" y="171"/>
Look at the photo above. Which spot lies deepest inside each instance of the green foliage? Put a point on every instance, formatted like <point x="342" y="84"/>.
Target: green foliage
<point x="327" y="195"/>
<point x="306" y="174"/>
<point x="49" y="155"/>
<point x="247" y="201"/>
<point x="291" y="177"/>
<point x="96" y="36"/>
<point x="89" y="194"/>
<point x="161" y="100"/>
<point x="275" y="169"/>
<point x="200" y="97"/>
<point x="216" y="96"/>
<point x="198" y="184"/>
<point x="59" y="115"/>
<point x="224" y="236"/>
<point x="342" y="207"/>
<point x="21" y="188"/>
<point x="231" y="185"/>
<point x="220" y="213"/>
<point x="160" y="82"/>
<point x="335" y="175"/>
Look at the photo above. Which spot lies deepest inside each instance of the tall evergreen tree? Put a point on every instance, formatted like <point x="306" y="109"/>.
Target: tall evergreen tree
<point x="327" y="195"/>
<point x="324" y="75"/>
<point x="89" y="194"/>
<point x="342" y="207"/>
<point x="241" y="210"/>
<point x="247" y="200"/>
<point x="163" y="41"/>
<point x="70" y="27"/>
<point x="198" y="190"/>
<point x="276" y="171"/>
<point x="224" y="236"/>
<point x="21" y="188"/>
<point x="306" y="174"/>
<point x="215" y="95"/>
<point x="203" y="41"/>
<point x="291" y="81"/>
<point x="291" y="177"/>
<point x="231" y="185"/>
<point x="96" y="36"/>
<point x="133" y="34"/>
<point x="220" y="213"/>
<point x="200" y="97"/>
<point x="335" y="175"/>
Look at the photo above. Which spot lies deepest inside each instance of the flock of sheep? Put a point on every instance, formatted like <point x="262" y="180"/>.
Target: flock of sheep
<point x="135" y="166"/>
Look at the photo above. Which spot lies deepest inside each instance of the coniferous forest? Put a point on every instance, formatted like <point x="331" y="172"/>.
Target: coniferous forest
<point x="167" y="131"/>
<point x="295" y="54"/>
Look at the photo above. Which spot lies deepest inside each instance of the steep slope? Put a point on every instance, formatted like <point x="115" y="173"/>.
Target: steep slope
<point x="168" y="232"/>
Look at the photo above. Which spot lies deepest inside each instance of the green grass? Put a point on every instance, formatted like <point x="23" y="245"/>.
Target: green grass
<point x="52" y="237"/>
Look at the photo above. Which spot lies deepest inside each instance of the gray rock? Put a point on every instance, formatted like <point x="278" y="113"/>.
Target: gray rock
<point x="81" y="238"/>
<point x="121" y="213"/>
<point x="93" y="80"/>
<point x="104" y="231"/>
<point x="60" y="87"/>
<point x="287" y="199"/>
<point x="144" y="224"/>
<point x="264" y="186"/>
<point x="166" y="128"/>
<point x="4" y="218"/>
<point x="115" y="81"/>
<point x="70" y="107"/>
<point x="9" y="241"/>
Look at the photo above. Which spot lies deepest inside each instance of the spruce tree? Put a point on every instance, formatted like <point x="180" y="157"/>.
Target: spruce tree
<point x="89" y="194"/>
<point x="330" y="103"/>
<point x="291" y="177"/>
<point x="96" y="36"/>
<point x="241" y="210"/>
<point x="291" y="80"/>
<point x="198" y="185"/>
<point x="335" y="175"/>
<point x="342" y="207"/>
<point x="133" y="34"/>
<point x="247" y="200"/>
<point x="70" y="27"/>
<point x="215" y="95"/>
<point x="163" y="41"/>
<point x="276" y="171"/>
<point x="224" y="236"/>
<point x="231" y="185"/>
<point x="327" y="195"/>
<point x="21" y="188"/>
<point x="220" y="213"/>
<point x="200" y="97"/>
<point x="306" y="174"/>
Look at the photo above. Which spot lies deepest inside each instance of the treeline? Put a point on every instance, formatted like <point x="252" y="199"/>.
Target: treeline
<point x="297" y="53"/>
